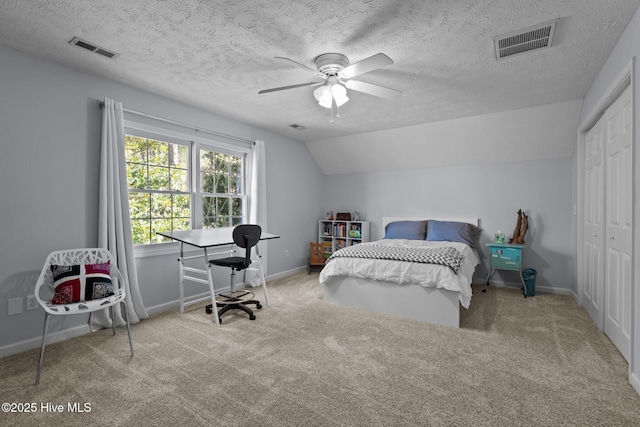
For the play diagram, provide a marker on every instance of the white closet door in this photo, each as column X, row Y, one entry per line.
column 594, row 239
column 618, row 219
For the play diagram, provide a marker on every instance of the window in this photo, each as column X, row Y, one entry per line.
column 159, row 190
column 172, row 189
column 221, row 189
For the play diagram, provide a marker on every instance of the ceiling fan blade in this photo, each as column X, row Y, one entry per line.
column 297, row 64
column 372, row 89
column 371, row 63
column 275, row 89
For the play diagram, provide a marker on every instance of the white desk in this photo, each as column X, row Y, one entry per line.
column 204, row 239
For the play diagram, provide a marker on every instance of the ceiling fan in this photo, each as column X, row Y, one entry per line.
column 336, row 76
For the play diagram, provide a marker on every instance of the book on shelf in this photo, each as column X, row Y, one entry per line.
column 326, row 229
column 328, row 249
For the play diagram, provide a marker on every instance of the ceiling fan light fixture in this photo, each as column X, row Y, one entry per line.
column 339, row 94
column 327, row 94
column 323, row 96
column 336, row 71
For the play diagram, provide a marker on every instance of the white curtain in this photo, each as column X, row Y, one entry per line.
column 257, row 207
column 114, row 223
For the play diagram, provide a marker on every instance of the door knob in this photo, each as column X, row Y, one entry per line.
column 611, row 237
column 595, row 235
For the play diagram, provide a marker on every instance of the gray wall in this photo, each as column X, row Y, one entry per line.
column 492, row 193
column 50, row 137
column 627, row 49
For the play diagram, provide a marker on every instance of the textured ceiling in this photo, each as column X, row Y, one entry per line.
column 217, row 55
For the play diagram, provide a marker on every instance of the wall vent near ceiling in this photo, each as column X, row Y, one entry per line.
column 531, row 38
column 93, row 48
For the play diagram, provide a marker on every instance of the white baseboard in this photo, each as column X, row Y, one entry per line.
column 635, row 382
column 540, row 289
column 286, row 273
column 53, row 337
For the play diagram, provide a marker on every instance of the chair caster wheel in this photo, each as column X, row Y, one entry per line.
column 258, row 306
column 252, row 317
column 208, row 310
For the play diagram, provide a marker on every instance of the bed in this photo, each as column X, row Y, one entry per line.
column 416, row 290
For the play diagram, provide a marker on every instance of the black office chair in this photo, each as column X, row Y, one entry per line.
column 245, row 236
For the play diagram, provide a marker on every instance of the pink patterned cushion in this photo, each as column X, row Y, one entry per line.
column 75, row 283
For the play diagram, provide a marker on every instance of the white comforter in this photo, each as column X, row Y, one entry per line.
column 427, row 275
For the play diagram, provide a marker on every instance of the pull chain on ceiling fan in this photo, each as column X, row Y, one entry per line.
column 336, row 75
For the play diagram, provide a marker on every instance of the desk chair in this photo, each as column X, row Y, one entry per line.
column 245, row 236
column 92, row 269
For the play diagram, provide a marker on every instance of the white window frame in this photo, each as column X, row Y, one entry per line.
column 196, row 183
column 195, row 142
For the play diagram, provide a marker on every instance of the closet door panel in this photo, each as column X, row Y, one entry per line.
column 593, row 225
column 618, row 220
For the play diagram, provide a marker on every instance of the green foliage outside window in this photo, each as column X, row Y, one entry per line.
column 221, row 184
column 160, row 195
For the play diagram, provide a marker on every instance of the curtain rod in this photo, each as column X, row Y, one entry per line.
column 186, row 125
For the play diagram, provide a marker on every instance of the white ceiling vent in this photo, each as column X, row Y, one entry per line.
column 93, row 48
column 531, row 38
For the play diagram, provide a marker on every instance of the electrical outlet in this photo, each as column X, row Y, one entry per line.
column 286, row 253
column 14, row 306
column 31, row 302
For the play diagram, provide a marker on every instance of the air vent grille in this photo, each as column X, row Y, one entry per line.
column 93, row 48
column 525, row 40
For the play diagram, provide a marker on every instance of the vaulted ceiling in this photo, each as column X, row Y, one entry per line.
column 217, row 55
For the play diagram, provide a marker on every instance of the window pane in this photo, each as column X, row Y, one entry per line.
column 222, row 184
column 181, row 224
column 179, row 180
column 181, row 206
column 135, row 149
column 236, row 210
column 235, row 178
column 208, row 206
column 161, row 206
column 137, row 176
column 222, row 163
column 160, row 225
column 236, row 207
column 158, row 178
column 140, row 231
column 139, row 205
column 207, row 182
column 158, row 152
column 207, row 161
column 179, row 156
column 222, row 206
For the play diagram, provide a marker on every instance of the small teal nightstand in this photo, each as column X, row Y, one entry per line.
column 505, row 256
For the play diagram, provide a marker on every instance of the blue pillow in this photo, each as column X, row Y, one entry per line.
column 453, row 231
column 411, row 230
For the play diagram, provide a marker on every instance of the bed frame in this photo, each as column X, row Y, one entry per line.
column 432, row 305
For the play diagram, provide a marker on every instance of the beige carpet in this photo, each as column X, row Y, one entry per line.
column 304, row 362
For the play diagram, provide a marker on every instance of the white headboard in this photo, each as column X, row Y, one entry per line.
column 387, row 219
